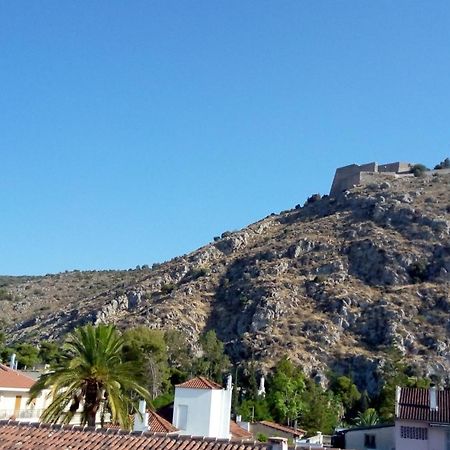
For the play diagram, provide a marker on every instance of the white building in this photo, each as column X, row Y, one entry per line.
column 422, row 419
column 376, row 437
column 14, row 396
column 203, row 408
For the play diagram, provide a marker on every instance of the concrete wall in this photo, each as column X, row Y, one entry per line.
column 384, row 438
column 437, row 437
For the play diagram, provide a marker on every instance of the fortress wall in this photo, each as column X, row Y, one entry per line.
column 396, row 167
column 349, row 176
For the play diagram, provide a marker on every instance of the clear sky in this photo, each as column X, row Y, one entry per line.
column 135, row 131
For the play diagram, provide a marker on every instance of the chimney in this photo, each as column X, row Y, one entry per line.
column 141, row 418
column 229, row 383
column 278, row 443
column 398, row 390
column 12, row 361
column 262, row 389
column 433, row 398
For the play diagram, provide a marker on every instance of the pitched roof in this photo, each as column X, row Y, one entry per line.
column 414, row 404
column 158, row 424
column 10, row 378
column 284, row 428
column 238, row 432
column 200, row 383
column 39, row 436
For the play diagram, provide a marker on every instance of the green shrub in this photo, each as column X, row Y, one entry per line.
column 261, row 437
column 445, row 164
column 418, row 170
column 167, row 288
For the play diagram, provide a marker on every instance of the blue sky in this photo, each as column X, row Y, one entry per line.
column 135, row 131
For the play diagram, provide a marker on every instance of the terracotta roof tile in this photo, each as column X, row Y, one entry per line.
column 160, row 425
column 200, row 383
column 10, row 378
column 238, row 432
column 15, row 435
column 414, row 404
column 286, row 429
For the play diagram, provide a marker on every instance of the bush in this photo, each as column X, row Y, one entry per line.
column 418, row 170
column 443, row 164
column 261, row 437
column 167, row 288
column 418, row 271
column 314, row 198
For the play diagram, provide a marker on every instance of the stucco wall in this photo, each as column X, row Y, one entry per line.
column 437, row 437
column 384, row 438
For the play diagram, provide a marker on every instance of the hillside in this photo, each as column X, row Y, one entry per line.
column 335, row 283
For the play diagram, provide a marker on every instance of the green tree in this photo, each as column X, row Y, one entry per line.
column 321, row 411
column 285, row 393
column 27, row 355
column 49, row 352
column 346, row 392
column 91, row 374
column 146, row 348
column 214, row 361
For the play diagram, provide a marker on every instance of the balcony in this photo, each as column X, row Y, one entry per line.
column 21, row 414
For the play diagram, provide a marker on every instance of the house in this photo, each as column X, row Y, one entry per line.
column 422, row 419
column 377, row 437
column 203, row 408
column 14, row 396
column 42, row 436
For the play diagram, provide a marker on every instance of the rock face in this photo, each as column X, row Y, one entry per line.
column 335, row 283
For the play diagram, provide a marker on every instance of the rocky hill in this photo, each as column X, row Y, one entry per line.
column 335, row 283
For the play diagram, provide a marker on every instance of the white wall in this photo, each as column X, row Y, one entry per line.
column 26, row 412
column 208, row 411
column 437, row 437
column 384, row 438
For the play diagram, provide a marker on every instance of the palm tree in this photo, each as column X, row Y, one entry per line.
column 367, row 418
column 91, row 374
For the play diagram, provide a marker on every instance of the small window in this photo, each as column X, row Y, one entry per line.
column 369, row 441
column 418, row 433
column 182, row 413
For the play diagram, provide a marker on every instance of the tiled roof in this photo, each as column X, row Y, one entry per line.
column 38, row 436
column 158, row 424
column 284, row 428
column 414, row 404
column 200, row 383
column 10, row 378
column 238, row 432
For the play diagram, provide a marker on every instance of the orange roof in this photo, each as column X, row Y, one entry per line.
column 39, row 436
column 158, row 424
column 200, row 383
column 238, row 432
column 11, row 379
column 286, row 429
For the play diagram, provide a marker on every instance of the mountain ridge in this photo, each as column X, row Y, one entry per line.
column 334, row 284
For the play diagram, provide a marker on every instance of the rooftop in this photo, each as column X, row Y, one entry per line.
column 284, row 428
column 39, row 436
column 414, row 404
column 199, row 383
column 11, row 379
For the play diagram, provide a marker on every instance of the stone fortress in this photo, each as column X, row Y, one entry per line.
column 353, row 175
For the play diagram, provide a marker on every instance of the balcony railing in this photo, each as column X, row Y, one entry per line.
column 20, row 414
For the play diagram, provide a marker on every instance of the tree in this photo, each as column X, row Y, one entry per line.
column 346, row 392
column 214, row 361
column 91, row 374
column 146, row 348
column 445, row 164
column 367, row 418
column 286, row 387
column 418, row 170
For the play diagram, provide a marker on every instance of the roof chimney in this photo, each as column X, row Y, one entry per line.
column 141, row 418
column 433, row 398
column 398, row 391
column 278, row 443
column 229, row 382
column 12, row 361
column 261, row 389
